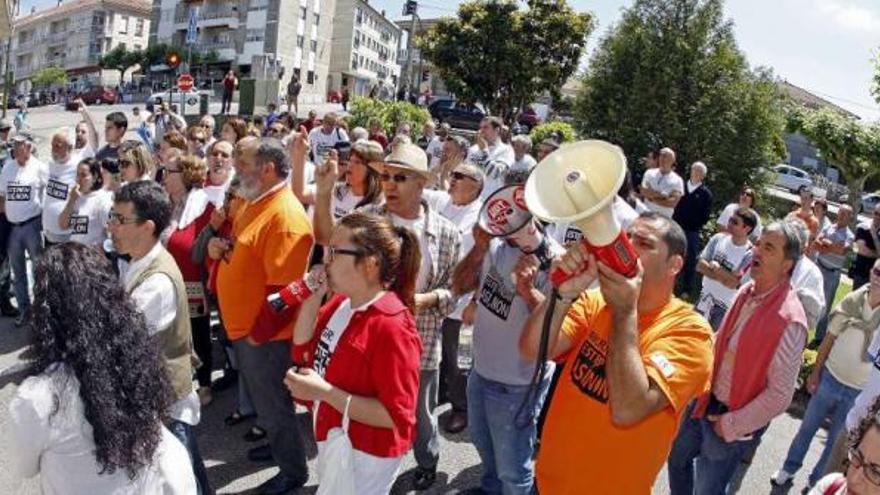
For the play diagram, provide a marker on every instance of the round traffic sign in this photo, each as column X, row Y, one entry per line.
column 185, row 82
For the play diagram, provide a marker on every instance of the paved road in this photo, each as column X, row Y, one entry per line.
column 225, row 451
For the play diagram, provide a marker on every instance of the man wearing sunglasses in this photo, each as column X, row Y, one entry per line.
column 723, row 263
column 757, row 358
column 404, row 176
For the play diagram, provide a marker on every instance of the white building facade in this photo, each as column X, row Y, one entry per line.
column 74, row 35
column 365, row 49
column 256, row 38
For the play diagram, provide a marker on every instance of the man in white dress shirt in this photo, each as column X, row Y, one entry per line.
column 141, row 210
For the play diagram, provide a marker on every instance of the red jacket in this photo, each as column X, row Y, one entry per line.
column 377, row 356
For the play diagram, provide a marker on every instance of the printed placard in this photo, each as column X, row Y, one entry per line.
column 79, row 224
column 495, row 296
column 15, row 192
column 57, row 189
column 588, row 371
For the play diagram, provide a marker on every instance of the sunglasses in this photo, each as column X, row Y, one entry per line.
column 397, row 178
column 332, row 252
column 460, row 176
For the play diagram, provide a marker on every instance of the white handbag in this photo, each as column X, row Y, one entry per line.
column 336, row 460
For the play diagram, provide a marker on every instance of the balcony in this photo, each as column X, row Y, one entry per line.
column 208, row 19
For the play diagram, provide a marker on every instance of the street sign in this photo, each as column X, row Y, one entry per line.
column 185, row 82
column 192, row 32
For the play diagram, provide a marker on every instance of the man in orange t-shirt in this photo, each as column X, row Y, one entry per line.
column 272, row 239
column 634, row 358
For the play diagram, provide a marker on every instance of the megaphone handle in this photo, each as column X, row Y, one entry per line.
column 619, row 255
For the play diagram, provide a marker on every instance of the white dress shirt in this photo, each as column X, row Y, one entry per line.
column 156, row 298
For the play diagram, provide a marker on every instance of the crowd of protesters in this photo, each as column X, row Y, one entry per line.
column 340, row 267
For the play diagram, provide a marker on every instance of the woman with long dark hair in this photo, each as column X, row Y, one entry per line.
column 89, row 418
column 360, row 351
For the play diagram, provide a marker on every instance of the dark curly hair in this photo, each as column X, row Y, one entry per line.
column 870, row 420
column 83, row 318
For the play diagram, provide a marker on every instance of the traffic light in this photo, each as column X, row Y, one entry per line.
column 409, row 8
column 172, row 59
column 426, row 76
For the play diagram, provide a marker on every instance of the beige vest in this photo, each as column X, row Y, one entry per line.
column 176, row 340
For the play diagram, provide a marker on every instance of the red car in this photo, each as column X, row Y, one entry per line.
column 98, row 95
column 529, row 118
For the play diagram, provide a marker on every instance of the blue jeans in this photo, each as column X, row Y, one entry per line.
column 23, row 238
column 689, row 273
column 830, row 281
column 832, row 399
column 716, row 460
column 504, row 439
column 187, row 437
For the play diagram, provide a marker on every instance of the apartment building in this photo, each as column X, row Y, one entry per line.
column 365, row 49
column 74, row 35
column 256, row 38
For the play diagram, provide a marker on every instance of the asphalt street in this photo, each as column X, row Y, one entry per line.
column 224, row 450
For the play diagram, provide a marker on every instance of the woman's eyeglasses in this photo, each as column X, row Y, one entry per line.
column 332, row 252
column 870, row 470
column 397, row 178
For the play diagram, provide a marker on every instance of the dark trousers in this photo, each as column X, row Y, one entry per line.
column 187, row 436
column 689, row 272
column 226, row 104
column 5, row 270
column 263, row 368
column 453, row 380
column 201, row 335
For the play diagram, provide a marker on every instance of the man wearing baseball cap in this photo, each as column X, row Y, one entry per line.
column 22, row 183
column 404, row 175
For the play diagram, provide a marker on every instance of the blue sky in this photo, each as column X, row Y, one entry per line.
column 824, row 46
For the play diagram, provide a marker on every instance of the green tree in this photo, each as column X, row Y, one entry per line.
column 49, row 76
column 875, row 85
column 670, row 74
column 848, row 145
column 501, row 56
column 389, row 114
column 121, row 59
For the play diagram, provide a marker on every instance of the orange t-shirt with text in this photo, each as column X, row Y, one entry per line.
column 581, row 450
column 271, row 242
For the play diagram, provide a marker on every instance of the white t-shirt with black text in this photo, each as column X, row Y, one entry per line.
column 88, row 222
column 733, row 258
column 62, row 178
column 22, row 187
column 322, row 143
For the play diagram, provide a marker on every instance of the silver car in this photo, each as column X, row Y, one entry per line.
column 791, row 178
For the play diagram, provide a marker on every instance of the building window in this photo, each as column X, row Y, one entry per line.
column 139, row 28
column 137, row 47
column 302, row 13
column 255, row 34
column 122, row 46
column 317, row 19
column 354, row 62
column 310, row 77
column 299, row 41
column 314, row 45
column 124, row 22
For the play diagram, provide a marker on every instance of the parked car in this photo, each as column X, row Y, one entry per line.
column 175, row 96
column 791, row 178
column 457, row 114
column 98, row 94
column 529, row 118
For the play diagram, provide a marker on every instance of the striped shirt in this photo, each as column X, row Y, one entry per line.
column 781, row 377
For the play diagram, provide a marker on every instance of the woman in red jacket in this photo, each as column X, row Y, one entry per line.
column 183, row 179
column 362, row 346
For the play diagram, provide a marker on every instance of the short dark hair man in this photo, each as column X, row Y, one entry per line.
column 141, row 211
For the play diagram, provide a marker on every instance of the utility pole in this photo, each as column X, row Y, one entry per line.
column 409, row 8
column 6, row 79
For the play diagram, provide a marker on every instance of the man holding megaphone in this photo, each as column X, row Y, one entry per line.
column 634, row 358
column 508, row 278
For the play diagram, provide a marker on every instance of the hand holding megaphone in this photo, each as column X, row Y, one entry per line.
column 578, row 269
column 577, row 184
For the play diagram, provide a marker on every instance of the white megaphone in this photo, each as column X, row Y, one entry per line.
column 577, row 184
column 505, row 214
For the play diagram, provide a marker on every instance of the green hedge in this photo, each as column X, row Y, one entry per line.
column 543, row 131
column 389, row 114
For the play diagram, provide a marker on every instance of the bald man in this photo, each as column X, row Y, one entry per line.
column 662, row 188
column 692, row 213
